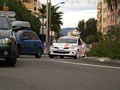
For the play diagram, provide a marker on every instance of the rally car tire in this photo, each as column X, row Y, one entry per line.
column 51, row 56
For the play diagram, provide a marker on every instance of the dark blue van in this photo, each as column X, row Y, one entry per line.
column 28, row 43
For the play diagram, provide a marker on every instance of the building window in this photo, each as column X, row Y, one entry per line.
column 104, row 20
column 35, row 8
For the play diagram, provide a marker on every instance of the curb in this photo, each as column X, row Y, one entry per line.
column 103, row 59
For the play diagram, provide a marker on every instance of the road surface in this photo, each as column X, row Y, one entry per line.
column 59, row 74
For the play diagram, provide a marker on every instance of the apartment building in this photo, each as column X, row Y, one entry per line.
column 112, row 18
column 32, row 5
column 118, row 20
column 102, row 23
column 106, row 18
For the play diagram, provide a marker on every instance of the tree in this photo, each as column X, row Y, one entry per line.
column 91, row 26
column 42, row 11
column 81, row 28
column 55, row 19
column 28, row 1
column 88, row 30
column 81, row 25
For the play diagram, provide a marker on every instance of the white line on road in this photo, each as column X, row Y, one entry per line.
column 89, row 65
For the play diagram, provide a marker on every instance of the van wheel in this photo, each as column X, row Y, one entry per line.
column 39, row 53
column 18, row 51
column 11, row 61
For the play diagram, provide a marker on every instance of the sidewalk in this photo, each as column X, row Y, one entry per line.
column 102, row 59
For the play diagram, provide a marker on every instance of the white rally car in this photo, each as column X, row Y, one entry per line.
column 68, row 46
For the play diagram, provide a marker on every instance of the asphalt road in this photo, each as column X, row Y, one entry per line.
column 59, row 74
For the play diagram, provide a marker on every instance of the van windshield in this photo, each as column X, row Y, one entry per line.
column 4, row 23
column 67, row 40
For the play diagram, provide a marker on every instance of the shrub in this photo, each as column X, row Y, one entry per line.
column 110, row 47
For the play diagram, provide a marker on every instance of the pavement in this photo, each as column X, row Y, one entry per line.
column 99, row 59
column 103, row 59
column 46, row 73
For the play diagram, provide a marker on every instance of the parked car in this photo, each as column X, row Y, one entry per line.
column 68, row 46
column 7, row 41
column 28, row 43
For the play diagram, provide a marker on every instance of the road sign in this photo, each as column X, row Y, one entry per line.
column 7, row 13
column 5, row 8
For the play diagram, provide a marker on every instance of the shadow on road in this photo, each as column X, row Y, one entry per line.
column 3, row 64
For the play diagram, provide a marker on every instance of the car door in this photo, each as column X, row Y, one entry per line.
column 26, row 43
column 35, row 42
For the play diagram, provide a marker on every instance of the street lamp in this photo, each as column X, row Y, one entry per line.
column 59, row 3
column 49, row 16
column 42, row 20
column 47, row 21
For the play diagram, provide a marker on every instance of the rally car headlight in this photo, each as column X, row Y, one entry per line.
column 5, row 40
column 51, row 47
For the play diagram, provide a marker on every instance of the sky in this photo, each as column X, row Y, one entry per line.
column 75, row 10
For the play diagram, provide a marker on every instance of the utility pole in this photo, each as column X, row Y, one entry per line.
column 47, row 24
column 50, row 31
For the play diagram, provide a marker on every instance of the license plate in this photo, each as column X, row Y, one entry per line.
column 60, row 50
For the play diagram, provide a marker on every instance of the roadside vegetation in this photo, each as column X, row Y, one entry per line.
column 88, row 31
column 109, row 46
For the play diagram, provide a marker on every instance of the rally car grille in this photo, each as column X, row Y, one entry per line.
column 61, row 52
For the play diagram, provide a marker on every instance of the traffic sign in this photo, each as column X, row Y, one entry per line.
column 7, row 13
column 5, row 8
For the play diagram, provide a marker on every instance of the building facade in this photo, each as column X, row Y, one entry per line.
column 118, row 20
column 99, row 16
column 102, row 21
column 106, row 18
column 32, row 5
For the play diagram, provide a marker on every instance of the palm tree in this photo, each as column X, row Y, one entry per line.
column 28, row 1
column 42, row 11
column 55, row 19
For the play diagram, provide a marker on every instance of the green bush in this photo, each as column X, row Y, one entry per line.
column 110, row 47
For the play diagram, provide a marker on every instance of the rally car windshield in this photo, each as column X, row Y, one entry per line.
column 67, row 40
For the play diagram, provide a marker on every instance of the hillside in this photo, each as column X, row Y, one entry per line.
column 64, row 31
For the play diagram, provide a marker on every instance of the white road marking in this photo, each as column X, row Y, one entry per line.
column 89, row 65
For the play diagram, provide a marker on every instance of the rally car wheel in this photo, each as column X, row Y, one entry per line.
column 51, row 56
column 77, row 55
column 18, row 51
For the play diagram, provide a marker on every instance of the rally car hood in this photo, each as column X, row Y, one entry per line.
column 63, row 45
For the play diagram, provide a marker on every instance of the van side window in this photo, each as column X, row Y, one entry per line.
column 79, row 42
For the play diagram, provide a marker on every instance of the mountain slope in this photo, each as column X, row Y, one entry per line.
column 64, row 31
